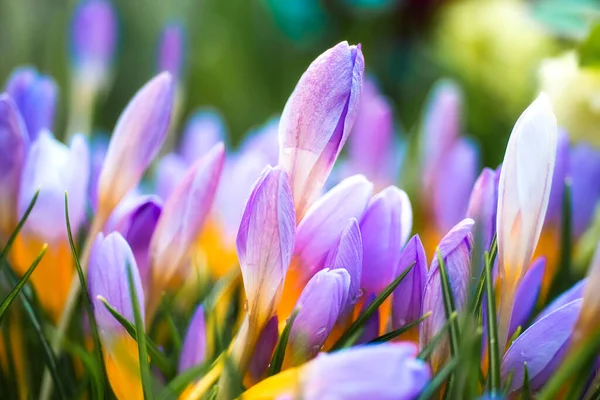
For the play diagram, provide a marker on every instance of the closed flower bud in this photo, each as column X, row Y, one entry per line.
column 171, row 50
column 193, row 351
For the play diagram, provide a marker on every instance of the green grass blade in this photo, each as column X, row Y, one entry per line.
column 20, row 224
column 279, row 353
column 183, row 380
column 91, row 367
column 393, row 334
column 87, row 301
column 479, row 295
column 141, row 337
column 492, row 334
column 175, row 336
column 508, row 383
column 364, row 317
column 425, row 353
column 526, row 391
column 15, row 291
column 449, row 305
column 156, row 355
column 438, row 380
column 563, row 279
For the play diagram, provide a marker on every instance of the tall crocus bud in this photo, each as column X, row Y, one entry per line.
column 585, row 189
column 108, row 279
column 388, row 371
column 193, row 351
column 527, row 295
column 182, row 220
column 441, row 127
column 136, row 220
column 138, row 135
column 523, row 193
column 587, row 324
column 93, row 39
column 372, row 149
column 170, row 50
column 263, row 352
column 408, row 296
column 483, row 205
column 455, row 249
column 348, row 255
column 542, row 346
column 385, row 228
column 317, row 119
column 202, row 131
column 35, row 95
column 265, row 243
column 53, row 168
column 14, row 143
column 318, row 308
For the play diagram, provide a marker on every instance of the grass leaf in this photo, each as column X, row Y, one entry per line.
column 492, row 334
column 141, row 337
column 425, row 353
column 15, row 291
column 393, row 334
column 279, row 353
column 438, row 380
column 19, row 226
column 364, row 317
column 526, row 391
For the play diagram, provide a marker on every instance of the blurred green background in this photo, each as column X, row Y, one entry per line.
column 245, row 56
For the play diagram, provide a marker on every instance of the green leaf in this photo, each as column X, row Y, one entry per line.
column 141, row 337
column 175, row 336
column 91, row 366
column 425, row 353
column 20, row 224
column 562, row 278
column 364, row 317
column 279, row 353
column 492, row 335
column 183, row 380
column 589, row 49
column 575, row 364
column 156, row 355
column 508, row 383
column 526, row 391
column 393, row 334
column 437, row 381
column 87, row 301
column 15, row 291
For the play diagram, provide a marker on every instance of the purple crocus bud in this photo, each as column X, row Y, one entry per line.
column 455, row 249
column 193, row 351
column 203, row 130
column 407, row 303
column 170, row 170
column 574, row 293
column 561, row 170
column 54, row 168
column 263, row 140
column 108, row 279
column 171, row 50
column 373, row 137
column 182, row 219
column 265, row 243
column 317, row 119
column 98, row 147
column 585, row 176
column 385, row 228
column 385, row 372
column 35, row 96
column 453, row 183
column 323, row 223
column 441, row 128
column 483, row 205
column 138, row 135
column 348, row 255
column 527, row 294
column 263, row 351
column 136, row 220
column 542, row 346
column 14, row 143
column 319, row 307
column 93, row 38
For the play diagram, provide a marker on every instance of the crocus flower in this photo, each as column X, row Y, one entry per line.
column 387, row 371
column 263, row 352
column 408, row 297
column 193, row 351
column 53, row 168
column 587, row 323
column 542, row 346
column 372, row 148
column 584, row 171
column 108, row 279
column 320, row 230
column 385, row 228
column 319, row 307
column 170, row 50
column 482, row 208
column 35, row 95
column 527, row 294
column 204, row 129
column 137, row 137
column 182, row 220
column 455, row 249
column 523, row 194
column 317, row 119
column 14, row 144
